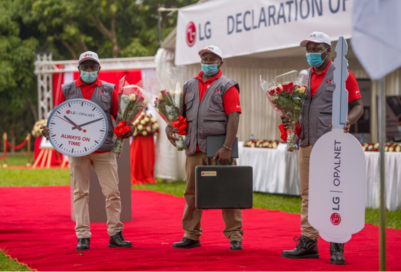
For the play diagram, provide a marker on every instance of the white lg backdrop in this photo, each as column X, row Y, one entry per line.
column 241, row 27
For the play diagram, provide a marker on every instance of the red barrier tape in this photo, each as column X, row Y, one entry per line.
column 18, row 146
column 4, row 156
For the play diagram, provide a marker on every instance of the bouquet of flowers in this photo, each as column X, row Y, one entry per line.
column 393, row 147
column 146, row 125
column 374, row 147
column 170, row 104
column 36, row 131
column 132, row 100
column 261, row 144
column 286, row 94
column 170, row 107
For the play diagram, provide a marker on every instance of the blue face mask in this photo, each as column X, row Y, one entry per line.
column 399, row 129
column 88, row 76
column 210, row 69
column 315, row 59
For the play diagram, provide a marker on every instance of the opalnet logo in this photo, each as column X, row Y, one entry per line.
column 191, row 34
column 335, row 219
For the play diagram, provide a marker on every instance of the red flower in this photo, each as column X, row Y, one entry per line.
column 271, row 92
column 278, row 90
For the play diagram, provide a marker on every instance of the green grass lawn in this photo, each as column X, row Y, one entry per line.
column 46, row 177
column 7, row 264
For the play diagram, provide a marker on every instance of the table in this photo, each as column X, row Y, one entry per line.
column 142, row 151
column 276, row 171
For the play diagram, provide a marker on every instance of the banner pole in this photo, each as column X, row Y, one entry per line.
column 5, row 148
column 382, row 145
column 29, row 150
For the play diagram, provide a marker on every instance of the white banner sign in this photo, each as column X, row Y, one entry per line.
column 243, row 27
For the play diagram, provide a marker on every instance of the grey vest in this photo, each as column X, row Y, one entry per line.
column 103, row 100
column 205, row 118
column 315, row 117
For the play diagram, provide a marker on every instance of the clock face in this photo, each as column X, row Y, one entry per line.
column 78, row 127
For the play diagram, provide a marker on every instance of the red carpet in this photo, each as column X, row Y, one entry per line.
column 36, row 229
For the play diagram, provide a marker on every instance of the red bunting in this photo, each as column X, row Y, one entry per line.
column 181, row 124
column 121, row 128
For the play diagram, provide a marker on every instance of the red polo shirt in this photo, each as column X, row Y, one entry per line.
column 87, row 92
column 350, row 84
column 231, row 100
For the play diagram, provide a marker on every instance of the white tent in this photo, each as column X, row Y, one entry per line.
column 268, row 50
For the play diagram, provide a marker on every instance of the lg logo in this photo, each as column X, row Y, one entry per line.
column 68, row 111
column 191, row 34
column 335, row 219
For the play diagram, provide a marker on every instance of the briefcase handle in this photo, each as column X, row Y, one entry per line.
column 231, row 161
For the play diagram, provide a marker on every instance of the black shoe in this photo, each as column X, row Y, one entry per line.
column 236, row 245
column 306, row 249
column 83, row 244
column 187, row 243
column 118, row 240
column 337, row 253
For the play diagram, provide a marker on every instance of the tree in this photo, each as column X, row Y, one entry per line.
column 18, row 93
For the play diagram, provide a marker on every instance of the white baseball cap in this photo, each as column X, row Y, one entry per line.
column 316, row 37
column 211, row 49
column 88, row 55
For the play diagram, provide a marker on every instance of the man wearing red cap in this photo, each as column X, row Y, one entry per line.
column 314, row 121
column 212, row 107
column 89, row 86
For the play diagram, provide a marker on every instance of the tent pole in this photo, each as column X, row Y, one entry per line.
column 382, row 145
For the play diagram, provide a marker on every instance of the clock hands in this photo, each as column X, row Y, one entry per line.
column 88, row 123
column 70, row 122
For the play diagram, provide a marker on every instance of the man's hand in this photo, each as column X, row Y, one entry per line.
column 45, row 132
column 346, row 126
column 285, row 121
column 224, row 155
column 170, row 135
column 129, row 133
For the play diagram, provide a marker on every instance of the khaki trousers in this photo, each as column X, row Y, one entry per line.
column 105, row 166
column 191, row 221
column 303, row 160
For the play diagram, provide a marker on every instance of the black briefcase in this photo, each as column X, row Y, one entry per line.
column 223, row 187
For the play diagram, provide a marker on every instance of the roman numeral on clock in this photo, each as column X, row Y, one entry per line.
column 53, row 135
column 60, row 145
column 85, row 149
column 102, row 130
column 82, row 104
column 69, row 105
column 94, row 108
column 72, row 151
column 96, row 142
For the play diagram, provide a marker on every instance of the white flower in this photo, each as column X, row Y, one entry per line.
column 152, row 120
column 280, row 86
column 156, row 125
column 398, row 149
column 376, row 146
column 140, row 127
column 148, row 128
column 302, row 90
column 142, row 114
column 143, row 122
column 146, row 119
column 132, row 97
column 172, row 93
column 144, row 133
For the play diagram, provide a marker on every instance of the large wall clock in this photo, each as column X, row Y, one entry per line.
column 78, row 127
